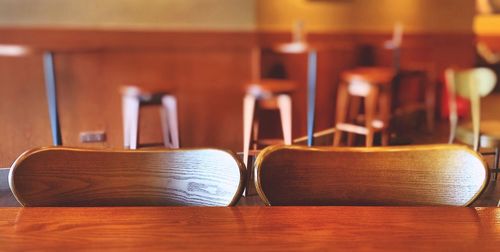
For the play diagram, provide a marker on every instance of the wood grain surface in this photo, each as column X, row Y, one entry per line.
column 57, row 176
column 251, row 229
column 410, row 175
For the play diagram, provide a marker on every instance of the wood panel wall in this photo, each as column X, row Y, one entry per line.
column 206, row 70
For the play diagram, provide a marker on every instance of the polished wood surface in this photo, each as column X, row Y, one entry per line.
column 410, row 175
column 251, row 229
column 56, row 176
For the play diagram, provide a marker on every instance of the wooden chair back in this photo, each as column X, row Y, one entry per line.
column 56, row 176
column 432, row 175
column 471, row 84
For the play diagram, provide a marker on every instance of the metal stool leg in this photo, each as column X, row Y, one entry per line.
column 248, row 110
column 167, row 142
column 126, row 124
column 285, row 107
column 133, row 120
column 170, row 106
column 497, row 156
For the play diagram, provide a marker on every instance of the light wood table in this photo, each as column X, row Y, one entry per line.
column 250, row 228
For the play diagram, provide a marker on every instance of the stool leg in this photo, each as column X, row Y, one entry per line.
column 248, row 110
column 384, row 111
column 170, row 104
column 370, row 109
column 430, row 104
column 133, row 120
column 341, row 111
column 164, row 128
column 126, row 124
column 497, row 157
column 353, row 114
column 255, row 132
column 285, row 107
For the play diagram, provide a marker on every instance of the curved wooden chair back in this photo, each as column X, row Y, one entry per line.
column 471, row 84
column 56, row 176
column 432, row 175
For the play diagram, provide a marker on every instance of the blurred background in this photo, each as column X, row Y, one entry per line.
column 201, row 50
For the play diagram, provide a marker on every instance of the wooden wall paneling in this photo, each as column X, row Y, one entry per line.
column 78, row 39
column 23, row 107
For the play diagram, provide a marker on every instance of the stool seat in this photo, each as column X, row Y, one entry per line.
column 374, row 75
column 133, row 98
column 146, row 97
column 269, row 87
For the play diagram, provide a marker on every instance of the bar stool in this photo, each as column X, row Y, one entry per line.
column 267, row 94
column 132, row 100
column 373, row 84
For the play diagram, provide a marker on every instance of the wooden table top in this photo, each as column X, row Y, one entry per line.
column 250, row 228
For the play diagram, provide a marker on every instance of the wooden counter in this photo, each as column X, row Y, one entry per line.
column 250, row 228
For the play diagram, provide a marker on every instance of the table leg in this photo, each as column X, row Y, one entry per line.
column 311, row 94
column 50, row 84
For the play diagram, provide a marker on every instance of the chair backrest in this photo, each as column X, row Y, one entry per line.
column 471, row 84
column 56, row 176
column 398, row 176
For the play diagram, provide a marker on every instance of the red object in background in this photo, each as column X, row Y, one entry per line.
column 463, row 104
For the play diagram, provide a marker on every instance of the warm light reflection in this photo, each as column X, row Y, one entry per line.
column 294, row 47
column 13, row 50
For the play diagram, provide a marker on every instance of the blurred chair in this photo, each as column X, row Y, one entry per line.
column 473, row 84
column 424, row 75
column 266, row 94
column 373, row 84
column 57, row 176
column 132, row 100
column 434, row 175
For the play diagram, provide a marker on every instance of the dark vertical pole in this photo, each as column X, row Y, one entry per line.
column 396, row 58
column 311, row 94
column 50, row 84
column 497, row 157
